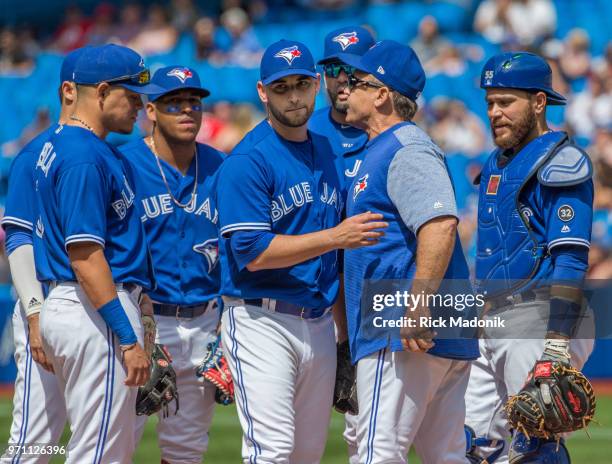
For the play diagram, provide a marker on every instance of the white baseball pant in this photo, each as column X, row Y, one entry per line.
column 39, row 413
column 183, row 437
column 411, row 398
column 284, row 371
column 87, row 361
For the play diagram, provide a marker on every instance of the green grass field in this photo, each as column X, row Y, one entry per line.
column 225, row 438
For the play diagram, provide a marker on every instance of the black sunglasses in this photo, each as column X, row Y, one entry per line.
column 333, row 69
column 354, row 81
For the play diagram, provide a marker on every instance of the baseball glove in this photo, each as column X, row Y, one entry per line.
column 556, row 399
column 345, row 391
column 160, row 390
column 214, row 368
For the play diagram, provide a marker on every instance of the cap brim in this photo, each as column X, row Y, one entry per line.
column 355, row 61
column 146, row 89
column 288, row 72
column 554, row 98
column 201, row 90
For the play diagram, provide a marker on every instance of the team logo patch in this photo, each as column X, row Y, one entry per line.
column 346, row 39
column 360, row 185
column 182, row 74
column 289, row 54
column 493, row 184
column 210, row 250
column 565, row 213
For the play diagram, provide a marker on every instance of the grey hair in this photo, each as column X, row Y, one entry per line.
column 404, row 106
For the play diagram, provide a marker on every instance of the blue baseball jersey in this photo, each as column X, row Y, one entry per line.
column 288, row 188
column 183, row 241
column 347, row 142
column 84, row 195
column 404, row 177
column 20, row 209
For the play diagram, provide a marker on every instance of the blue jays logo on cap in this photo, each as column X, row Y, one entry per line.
column 181, row 74
column 289, row 54
column 346, row 39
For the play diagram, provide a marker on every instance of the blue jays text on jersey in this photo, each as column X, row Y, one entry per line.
column 183, row 241
column 288, row 188
column 542, row 198
column 84, row 195
column 393, row 259
column 348, row 143
column 21, row 209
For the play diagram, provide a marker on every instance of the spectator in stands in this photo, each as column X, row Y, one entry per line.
column 591, row 108
column 205, row 43
column 13, row 56
column 157, row 35
column 41, row 121
column 457, row 130
column 428, row 43
column 575, row 60
column 72, row 33
column 130, row 23
column 518, row 22
column 244, row 48
column 103, row 26
column 449, row 61
column 184, row 14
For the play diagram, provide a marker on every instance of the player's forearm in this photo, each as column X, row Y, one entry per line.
column 23, row 271
column 289, row 250
column 435, row 245
column 92, row 272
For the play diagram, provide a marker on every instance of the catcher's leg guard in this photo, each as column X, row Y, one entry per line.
column 534, row 450
column 473, row 442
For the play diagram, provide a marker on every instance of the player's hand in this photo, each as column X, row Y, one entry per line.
column 417, row 339
column 36, row 343
column 359, row 230
column 138, row 366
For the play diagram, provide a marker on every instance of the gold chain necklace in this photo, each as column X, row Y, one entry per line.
column 189, row 204
column 80, row 121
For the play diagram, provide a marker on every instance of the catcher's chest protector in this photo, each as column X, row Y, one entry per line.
column 506, row 247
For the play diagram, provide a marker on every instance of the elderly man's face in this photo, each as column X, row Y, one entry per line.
column 361, row 92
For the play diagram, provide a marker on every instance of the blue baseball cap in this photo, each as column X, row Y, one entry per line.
column 113, row 64
column 355, row 40
column 523, row 71
column 173, row 78
column 69, row 63
column 286, row 58
column 393, row 64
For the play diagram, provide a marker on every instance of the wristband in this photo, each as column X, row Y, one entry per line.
column 115, row 317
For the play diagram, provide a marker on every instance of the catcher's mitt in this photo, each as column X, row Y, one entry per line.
column 345, row 391
column 214, row 368
column 556, row 399
column 160, row 390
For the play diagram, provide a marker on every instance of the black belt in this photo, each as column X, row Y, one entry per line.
column 178, row 311
column 285, row 307
column 523, row 297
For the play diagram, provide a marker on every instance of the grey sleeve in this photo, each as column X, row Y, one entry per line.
column 419, row 186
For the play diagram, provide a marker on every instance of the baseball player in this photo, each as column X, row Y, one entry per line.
column 172, row 181
column 279, row 204
column 97, row 258
column 534, row 228
column 348, row 144
column 410, row 386
column 39, row 414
